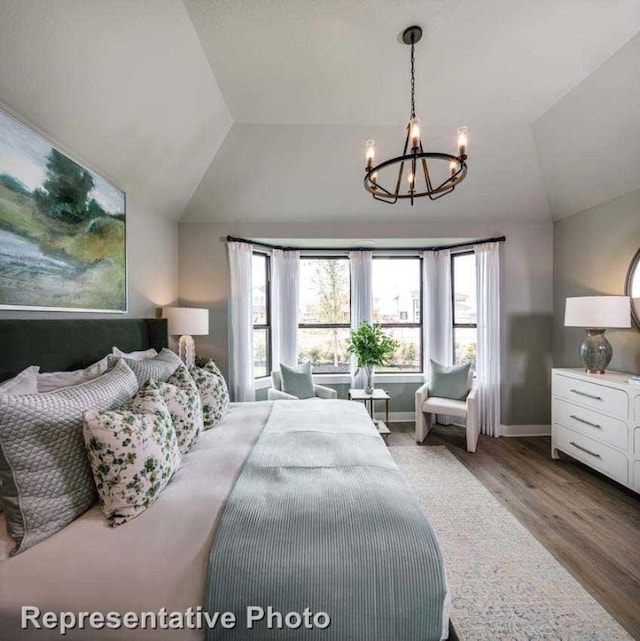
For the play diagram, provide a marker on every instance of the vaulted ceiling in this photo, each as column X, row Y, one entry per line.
column 258, row 111
column 308, row 82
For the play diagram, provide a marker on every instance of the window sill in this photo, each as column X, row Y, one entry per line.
column 345, row 379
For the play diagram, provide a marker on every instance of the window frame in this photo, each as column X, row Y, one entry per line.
column 328, row 325
column 267, row 305
column 455, row 325
column 419, row 325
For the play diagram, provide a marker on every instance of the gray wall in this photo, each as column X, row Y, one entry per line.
column 527, row 298
column 592, row 251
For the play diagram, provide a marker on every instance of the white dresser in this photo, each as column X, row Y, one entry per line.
column 596, row 419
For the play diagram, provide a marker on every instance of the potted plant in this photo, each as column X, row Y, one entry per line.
column 372, row 347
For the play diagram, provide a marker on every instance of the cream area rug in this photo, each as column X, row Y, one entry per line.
column 504, row 583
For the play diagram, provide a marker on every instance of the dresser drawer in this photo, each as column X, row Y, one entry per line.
column 605, row 459
column 636, row 441
column 636, row 413
column 600, row 397
column 609, row 430
column 636, row 476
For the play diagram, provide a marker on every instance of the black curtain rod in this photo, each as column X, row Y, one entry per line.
column 481, row 241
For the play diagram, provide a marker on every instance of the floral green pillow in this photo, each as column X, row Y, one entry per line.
column 181, row 396
column 133, row 453
column 213, row 391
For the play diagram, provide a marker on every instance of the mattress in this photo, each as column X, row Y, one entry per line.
column 157, row 561
column 167, row 547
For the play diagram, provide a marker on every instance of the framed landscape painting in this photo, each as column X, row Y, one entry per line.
column 62, row 229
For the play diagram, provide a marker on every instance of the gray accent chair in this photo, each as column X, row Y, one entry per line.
column 427, row 407
column 275, row 393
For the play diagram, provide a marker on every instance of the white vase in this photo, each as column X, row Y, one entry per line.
column 369, row 371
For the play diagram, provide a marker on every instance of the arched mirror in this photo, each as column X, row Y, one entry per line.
column 633, row 287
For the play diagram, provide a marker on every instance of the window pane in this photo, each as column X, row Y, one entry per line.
column 325, row 296
column 259, row 289
column 407, row 356
column 465, row 341
column 325, row 348
column 396, row 290
column 260, row 354
column 464, row 282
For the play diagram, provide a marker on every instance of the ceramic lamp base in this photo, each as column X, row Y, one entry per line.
column 187, row 350
column 595, row 351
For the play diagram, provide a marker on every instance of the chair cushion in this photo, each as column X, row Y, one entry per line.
column 297, row 381
column 447, row 406
column 448, row 381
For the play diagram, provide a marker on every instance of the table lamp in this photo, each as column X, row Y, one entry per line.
column 596, row 314
column 187, row 322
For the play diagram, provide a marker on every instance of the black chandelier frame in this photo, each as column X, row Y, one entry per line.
column 417, row 158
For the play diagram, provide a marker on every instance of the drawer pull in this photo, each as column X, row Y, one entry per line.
column 592, row 396
column 584, row 449
column 581, row 420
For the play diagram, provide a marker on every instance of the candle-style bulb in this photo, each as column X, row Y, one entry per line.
column 453, row 167
column 370, row 153
column 410, row 179
column 463, row 141
column 414, row 132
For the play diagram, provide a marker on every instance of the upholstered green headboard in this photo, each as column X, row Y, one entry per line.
column 58, row 345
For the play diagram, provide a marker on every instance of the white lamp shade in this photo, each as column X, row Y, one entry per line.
column 598, row 311
column 187, row 320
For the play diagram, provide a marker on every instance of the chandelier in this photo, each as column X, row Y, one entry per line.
column 426, row 173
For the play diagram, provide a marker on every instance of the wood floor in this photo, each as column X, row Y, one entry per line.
column 589, row 523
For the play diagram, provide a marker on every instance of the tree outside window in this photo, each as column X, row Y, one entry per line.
column 324, row 315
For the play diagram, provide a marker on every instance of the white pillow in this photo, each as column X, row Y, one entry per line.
column 49, row 381
column 142, row 355
column 26, row 382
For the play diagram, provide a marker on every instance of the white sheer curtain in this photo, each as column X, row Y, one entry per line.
column 437, row 326
column 488, row 353
column 361, row 263
column 241, row 322
column 438, row 315
column 285, row 277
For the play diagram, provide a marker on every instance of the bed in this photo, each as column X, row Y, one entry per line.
column 270, row 472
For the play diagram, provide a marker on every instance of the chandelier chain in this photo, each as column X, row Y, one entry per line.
column 413, row 83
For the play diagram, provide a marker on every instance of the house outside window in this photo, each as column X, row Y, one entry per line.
column 465, row 318
column 261, row 313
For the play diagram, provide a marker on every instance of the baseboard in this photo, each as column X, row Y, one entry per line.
column 397, row 417
column 524, row 430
